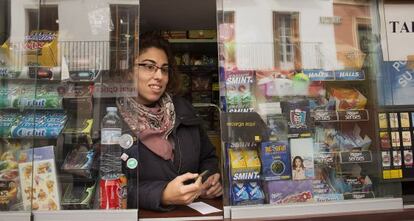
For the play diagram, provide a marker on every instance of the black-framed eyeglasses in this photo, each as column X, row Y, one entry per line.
column 152, row 68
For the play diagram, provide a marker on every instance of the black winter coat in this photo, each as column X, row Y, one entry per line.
column 193, row 152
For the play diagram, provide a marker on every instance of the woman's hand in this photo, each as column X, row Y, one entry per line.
column 212, row 187
column 176, row 193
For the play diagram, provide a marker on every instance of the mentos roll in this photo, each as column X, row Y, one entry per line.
column 240, row 193
column 255, row 191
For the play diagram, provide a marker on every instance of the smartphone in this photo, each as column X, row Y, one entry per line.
column 202, row 175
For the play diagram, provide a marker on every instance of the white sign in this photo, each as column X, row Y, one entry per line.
column 397, row 31
column 336, row 20
column 116, row 90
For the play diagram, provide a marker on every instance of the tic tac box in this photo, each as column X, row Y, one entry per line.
column 275, row 156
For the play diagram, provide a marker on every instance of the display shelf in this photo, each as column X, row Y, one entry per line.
column 69, row 177
column 184, row 218
column 364, row 156
column 186, row 41
column 340, row 116
column 29, row 109
column 328, row 158
column 359, row 195
column 90, row 215
column 78, row 97
column 79, row 81
column 339, row 75
column 16, row 216
column 90, row 80
column 30, row 138
column 31, row 80
column 212, row 67
column 314, row 209
column 325, row 158
column 187, row 213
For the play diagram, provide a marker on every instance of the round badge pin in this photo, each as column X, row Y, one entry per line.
column 132, row 163
column 126, row 141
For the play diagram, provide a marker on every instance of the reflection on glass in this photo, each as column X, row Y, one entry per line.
column 61, row 64
column 16, row 110
column 308, row 65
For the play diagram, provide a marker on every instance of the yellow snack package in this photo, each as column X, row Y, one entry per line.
column 237, row 161
column 252, row 160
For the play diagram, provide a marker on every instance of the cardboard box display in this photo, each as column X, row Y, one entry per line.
column 275, row 157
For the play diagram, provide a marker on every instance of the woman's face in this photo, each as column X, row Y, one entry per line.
column 298, row 163
column 151, row 75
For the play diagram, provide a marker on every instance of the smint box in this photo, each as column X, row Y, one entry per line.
column 239, row 193
column 275, row 158
column 247, row 193
column 289, row 191
column 244, row 166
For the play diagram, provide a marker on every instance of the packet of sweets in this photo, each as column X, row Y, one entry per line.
column 237, row 161
column 255, row 191
column 252, row 160
column 240, row 193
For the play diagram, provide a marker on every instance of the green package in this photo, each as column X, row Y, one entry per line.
column 46, row 97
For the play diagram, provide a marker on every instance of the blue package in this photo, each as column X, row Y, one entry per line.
column 240, row 193
column 26, row 129
column 275, row 157
column 255, row 191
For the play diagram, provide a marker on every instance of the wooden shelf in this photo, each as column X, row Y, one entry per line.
column 192, row 40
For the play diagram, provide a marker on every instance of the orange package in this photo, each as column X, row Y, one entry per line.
column 348, row 99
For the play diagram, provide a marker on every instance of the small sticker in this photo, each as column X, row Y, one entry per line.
column 132, row 163
column 124, row 157
column 126, row 141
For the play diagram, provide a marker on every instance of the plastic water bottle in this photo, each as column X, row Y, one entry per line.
column 111, row 129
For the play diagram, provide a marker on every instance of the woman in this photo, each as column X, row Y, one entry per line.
column 172, row 147
column 298, row 169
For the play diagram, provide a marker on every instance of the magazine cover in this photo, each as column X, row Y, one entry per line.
column 277, row 127
column 298, row 115
column 301, row 151
column 38, row 165
column 239, row 91
column 275, row 158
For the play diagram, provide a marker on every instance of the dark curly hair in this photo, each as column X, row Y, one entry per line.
column 294, row 160
column 155, row 40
